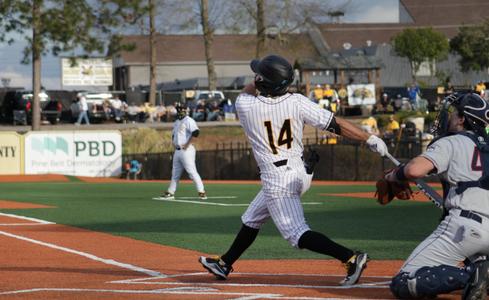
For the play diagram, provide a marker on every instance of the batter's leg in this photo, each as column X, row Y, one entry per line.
column 176, row 172
column 189, row 165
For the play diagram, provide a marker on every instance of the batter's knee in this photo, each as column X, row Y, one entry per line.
column 428, row 282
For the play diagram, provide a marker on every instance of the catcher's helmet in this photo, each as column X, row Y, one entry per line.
column 274, row 74
column 471, row 106
column 181, row 111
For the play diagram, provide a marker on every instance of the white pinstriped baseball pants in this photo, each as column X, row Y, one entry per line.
column 279, row 199
column 185, row 160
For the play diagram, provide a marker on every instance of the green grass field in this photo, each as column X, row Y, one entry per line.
column 127, row 209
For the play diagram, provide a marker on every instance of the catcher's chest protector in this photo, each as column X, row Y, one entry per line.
column 482, row 155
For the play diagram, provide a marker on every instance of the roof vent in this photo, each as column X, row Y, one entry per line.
column 347, row 46
column 369, row 43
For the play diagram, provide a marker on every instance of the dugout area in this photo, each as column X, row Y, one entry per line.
column 68, row 238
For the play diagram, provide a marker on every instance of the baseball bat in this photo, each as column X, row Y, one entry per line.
column 422, row 186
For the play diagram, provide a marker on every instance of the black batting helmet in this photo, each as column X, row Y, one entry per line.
column 181, row 111
column 274, row 74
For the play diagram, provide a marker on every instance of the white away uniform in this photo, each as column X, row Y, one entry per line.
column 184, row 158
column 274, row 127
column 465, row 231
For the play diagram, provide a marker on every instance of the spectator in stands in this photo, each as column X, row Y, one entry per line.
column 398, row 103
column 171, row 112
column 414, row 94
column 317, row 93
column 133, row 112
column 449, row 89
column 329, row 93
column 370, row 125
column 392, row 128
column 228, row 109
column 107, row 107
column 213, row 111
column 150, row 112
column 343, row 99
column 480, row 88
column 384, row 102
column 161, row 113
column 118, row 108
column 135, row 168
column 199, row 111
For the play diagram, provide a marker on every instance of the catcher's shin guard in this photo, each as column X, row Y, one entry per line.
column 428, row 282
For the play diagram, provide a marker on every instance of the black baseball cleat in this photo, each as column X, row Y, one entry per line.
column 216, row 266
column 167, row 196
column 354, row 268
column 476, row 288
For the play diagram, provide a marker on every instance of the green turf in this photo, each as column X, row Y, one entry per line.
column 127, row 209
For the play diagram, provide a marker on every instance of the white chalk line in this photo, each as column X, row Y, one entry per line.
column 39, row 221
column 218, row 203
column 174, row 291
column 86, row 255
column 153, row 281
column 178, row 291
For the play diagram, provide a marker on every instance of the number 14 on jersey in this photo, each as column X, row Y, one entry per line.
column 284, row 137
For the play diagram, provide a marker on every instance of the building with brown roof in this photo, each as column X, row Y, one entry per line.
column 325, row 47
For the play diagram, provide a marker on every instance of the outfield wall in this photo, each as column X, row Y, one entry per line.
column 78, row 153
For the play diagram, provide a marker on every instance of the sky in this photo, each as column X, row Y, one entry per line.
column 20, row 75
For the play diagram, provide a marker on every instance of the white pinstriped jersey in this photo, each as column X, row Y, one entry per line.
column 274, row 126
column 182, row 130
column 456, row 158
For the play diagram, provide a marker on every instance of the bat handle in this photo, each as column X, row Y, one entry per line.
column 392, row 158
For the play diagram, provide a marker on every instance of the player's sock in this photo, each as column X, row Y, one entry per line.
column 245, row 237
column 320, row 243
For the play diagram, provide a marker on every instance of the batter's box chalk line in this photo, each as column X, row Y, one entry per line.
column 155, row 281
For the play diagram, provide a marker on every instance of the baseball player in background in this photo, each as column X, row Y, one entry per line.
column 273, row 121
column 453, row 256
column 185, row 130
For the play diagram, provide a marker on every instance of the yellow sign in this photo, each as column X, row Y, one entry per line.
column 11, row 153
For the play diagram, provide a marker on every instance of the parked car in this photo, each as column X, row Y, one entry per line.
column 206, row 96
column 17, row 107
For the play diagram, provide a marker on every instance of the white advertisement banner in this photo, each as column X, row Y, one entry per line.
column 10, row 153
column 86, row 72
column 361, row 94
column 77, row 153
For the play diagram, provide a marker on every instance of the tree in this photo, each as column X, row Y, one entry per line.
column 152, row 50
column 59, row 26
column 260, row 28
column 420, row 45
column 208, row 33
column 472, row 44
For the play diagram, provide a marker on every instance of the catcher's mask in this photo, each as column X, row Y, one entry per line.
column 181, row 111
column 471, row 106
column 273, row 75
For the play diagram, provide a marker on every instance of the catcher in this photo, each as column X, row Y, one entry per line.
column 453, row 257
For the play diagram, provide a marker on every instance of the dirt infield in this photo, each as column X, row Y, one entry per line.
column 42, row 260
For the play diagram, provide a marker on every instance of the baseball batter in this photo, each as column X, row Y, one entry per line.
column 184, row 131
column 273, row 121
column 450, row 258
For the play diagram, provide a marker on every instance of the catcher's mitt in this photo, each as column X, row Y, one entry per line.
column 388, row 190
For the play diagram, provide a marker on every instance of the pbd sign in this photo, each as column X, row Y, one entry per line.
column 95, row 148
column 82, row 153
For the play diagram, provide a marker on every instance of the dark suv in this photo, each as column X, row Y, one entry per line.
column 17, row 107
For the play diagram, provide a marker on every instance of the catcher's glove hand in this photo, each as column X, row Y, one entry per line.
column 388, row 190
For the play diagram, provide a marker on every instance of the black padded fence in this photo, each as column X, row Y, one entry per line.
column 344, row 161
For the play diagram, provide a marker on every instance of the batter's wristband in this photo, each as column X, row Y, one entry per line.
column 400, row 176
